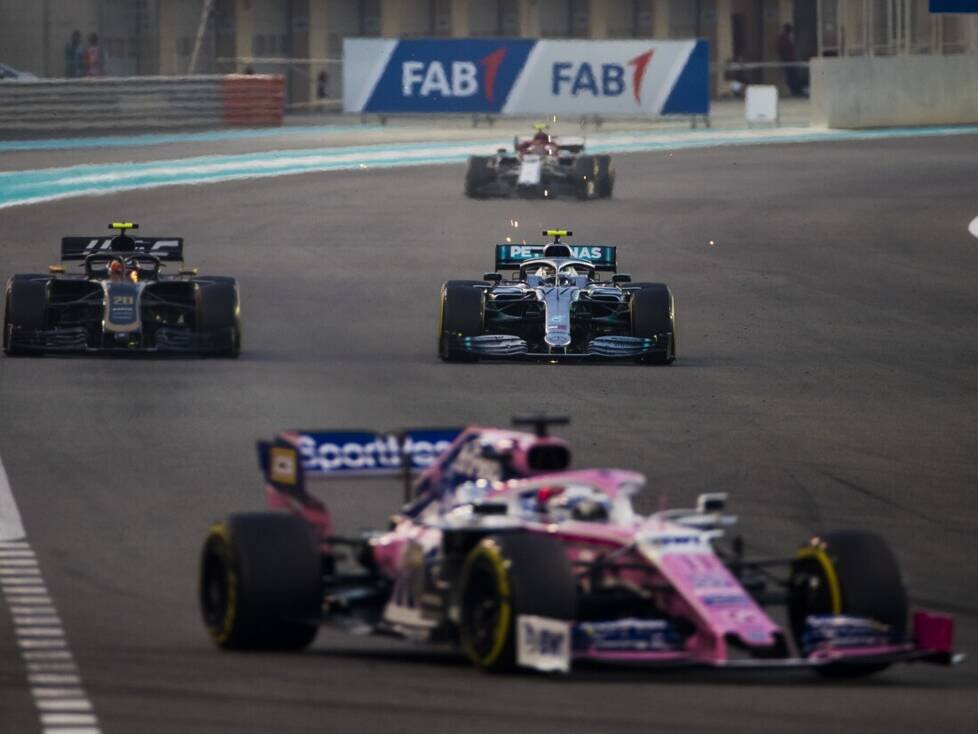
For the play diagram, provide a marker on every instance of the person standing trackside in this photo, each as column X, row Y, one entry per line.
column 73, row 53
column 92, row 57
column 788, row 53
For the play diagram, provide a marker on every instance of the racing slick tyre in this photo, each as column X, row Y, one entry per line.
column 506, row 576
column 606, row 176
column 653, row 312
column 849, row 572
column 585, row 177
column 478, row 176
column 219, row 314
column 24, row 307
column 261, row 582
column 462, row 311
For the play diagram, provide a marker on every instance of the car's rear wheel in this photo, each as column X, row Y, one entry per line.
column 478, row 176
column 606, row 176
column 585, row 177
column 653, row 316
column 261, row 582
column 506, row 576
column 25, row 308
column 853, row 573
column 461, row 315
column 219, row 314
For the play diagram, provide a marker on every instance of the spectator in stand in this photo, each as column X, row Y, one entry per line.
column 788, row 53
column 73, row 53
column 322, row 85
column 92, row 61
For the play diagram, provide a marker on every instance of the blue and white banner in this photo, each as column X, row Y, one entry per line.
column 526, row 77
column 331, row 453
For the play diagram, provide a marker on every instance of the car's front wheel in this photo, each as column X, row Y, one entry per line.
column 461, row 315
column 261, row 582
column 852, row 573
column 506, row 576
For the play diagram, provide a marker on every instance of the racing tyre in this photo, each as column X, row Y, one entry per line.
column 506, row 576
column 851, row 572
column 462, row 310
column 261, row 582
column 606, row 176
column 478, row 176
column 24, row 307
column 653, row 313
column 586, row 177
column 219, row 313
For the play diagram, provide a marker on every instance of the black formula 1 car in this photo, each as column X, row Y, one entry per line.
column 541, row 167
column 121, row 301
column 554, row 307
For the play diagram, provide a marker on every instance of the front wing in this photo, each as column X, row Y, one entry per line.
column 602, row 348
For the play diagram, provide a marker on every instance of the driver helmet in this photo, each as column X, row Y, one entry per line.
column 117, row 271
column 541, row 137
column 578, row 503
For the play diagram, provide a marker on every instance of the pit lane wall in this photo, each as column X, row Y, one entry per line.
column 526, row 77
column 140, row 103
column 894, row 91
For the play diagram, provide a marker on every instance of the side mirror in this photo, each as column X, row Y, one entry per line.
column 711, row 502
column 621, row 278
column 492, row 277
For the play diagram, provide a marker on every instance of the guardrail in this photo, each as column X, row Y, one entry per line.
column 140, row 103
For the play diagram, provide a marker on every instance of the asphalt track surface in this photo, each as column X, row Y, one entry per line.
column 828, row 378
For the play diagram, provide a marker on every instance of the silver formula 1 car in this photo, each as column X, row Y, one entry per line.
column 553, row 306
column 541, row 167
column 121, row 302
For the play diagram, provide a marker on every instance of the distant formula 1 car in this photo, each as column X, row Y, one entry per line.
column 541, row 167
column 121, row 302
column 554, row 307
column 504, row 552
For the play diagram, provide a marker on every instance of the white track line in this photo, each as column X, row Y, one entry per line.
column 63, row 706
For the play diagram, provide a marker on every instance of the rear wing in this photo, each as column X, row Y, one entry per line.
column 296, row 456
column 168, row 249
column 602, row 257
column 563, row 142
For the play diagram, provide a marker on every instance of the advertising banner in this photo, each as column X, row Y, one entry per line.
column 526, row 77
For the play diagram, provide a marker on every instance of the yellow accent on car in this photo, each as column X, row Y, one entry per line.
column 219, row 532
column 121, row 225
column 816, row 552
column 556, row 233
column 540, row 126
column 56, row 269
column 283, row 465
column 489, row 550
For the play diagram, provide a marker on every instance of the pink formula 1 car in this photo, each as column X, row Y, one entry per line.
column 506, row 553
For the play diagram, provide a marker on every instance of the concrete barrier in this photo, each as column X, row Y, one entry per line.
column 139, row 103
column 894, row 91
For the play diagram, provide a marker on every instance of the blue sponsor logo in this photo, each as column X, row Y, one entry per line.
column 452, row 75
column 644, row 635
column 543, row 642
column 603, row 80
column 370, row 453
column 838, row 631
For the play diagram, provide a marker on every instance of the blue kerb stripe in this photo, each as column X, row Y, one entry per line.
column 135, row 141
column 22, row 187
